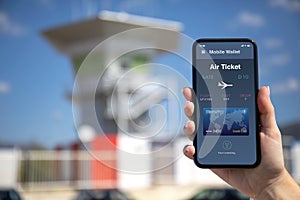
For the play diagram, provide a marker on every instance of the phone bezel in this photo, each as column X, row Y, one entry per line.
column 258, row 149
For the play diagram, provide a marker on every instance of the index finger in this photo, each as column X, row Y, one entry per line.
column 187, row 93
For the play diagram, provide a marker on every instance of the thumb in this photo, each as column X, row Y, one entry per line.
column 266, row 110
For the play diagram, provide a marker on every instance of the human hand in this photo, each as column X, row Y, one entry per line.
column 270, row 174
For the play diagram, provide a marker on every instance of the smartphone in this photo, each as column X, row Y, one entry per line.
column 225, row 84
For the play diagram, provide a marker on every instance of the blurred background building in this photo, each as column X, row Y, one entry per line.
column 127, row 91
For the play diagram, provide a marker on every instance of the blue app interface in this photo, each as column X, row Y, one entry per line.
column 226, row 81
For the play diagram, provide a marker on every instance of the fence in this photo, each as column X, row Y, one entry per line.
column 66, row 169
column 69, row 169
column 40, row 170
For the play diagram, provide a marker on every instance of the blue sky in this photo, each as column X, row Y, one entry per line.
column 34, row 77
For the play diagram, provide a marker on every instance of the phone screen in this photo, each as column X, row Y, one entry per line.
column 225, row 82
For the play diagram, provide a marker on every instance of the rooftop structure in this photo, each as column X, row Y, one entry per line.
column 78, row 39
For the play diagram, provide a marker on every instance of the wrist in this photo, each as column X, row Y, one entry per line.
column 281, row 188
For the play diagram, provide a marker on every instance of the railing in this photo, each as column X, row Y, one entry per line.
column 69, row 169
column 40, row 170
column 66, row 169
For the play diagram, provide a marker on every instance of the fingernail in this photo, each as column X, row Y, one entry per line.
column 186, row 152
column 268, row 88
column 183, row 89
column 185, row 149
column 187, row 102
column 185, row 126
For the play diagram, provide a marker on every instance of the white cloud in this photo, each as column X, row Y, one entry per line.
column 4, row 87
column 292, row 5
column 250, row 19
column 148, row 7
column 281, row 59
column 9, row 27
column 132, row 5
column 272, row 43
column 277, row 60
column 284, row 87
column 57, row 115
column 46, row 3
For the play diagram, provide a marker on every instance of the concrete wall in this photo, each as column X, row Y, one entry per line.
column 8, row 167
column 295, row 151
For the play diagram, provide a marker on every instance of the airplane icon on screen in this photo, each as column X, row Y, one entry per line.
column 224, row 85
